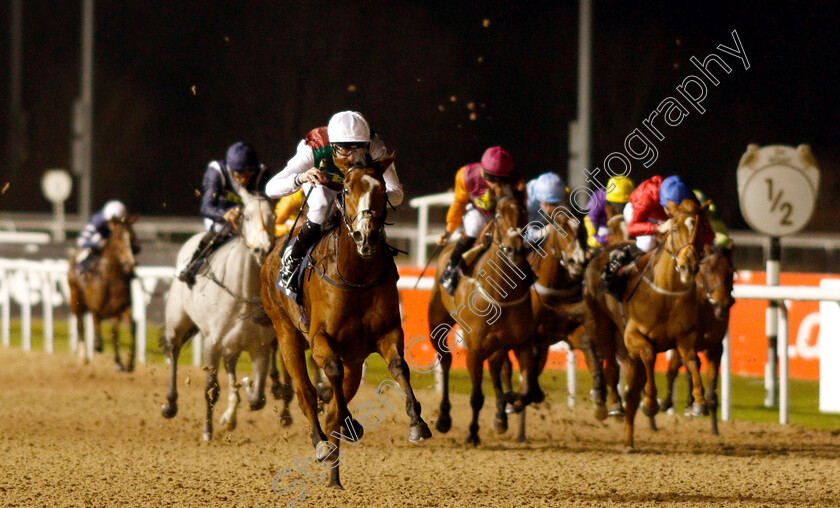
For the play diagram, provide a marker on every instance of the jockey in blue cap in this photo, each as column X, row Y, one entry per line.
column 220, row 200
column 545, row 192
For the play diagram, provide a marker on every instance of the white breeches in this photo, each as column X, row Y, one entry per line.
column 474, row 221
column 645, row 242
column 319, row 203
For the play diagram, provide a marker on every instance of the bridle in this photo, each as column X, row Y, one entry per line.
column 367, row 213
column 237, row 227
column 675, row 252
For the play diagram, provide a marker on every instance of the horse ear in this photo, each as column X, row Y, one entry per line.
column 672, row 208
column 132, row 219
column 385, row 162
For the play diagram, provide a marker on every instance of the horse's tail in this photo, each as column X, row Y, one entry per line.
column 255, row 313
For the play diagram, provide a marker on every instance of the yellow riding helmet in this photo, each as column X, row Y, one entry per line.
column 619, row 189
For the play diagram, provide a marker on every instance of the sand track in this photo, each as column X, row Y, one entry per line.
column 74, row 435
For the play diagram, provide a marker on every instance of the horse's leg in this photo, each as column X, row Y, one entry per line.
column 437, row 315
column 499, row 366
column 713, row 355
column 325, row 392
column 636, row 378
column 674, row 364
column 228, row 419
column 177, row 330
column 334, row 370
column 685, row 345
column 97, row 333
column 132, row 326
column 255, row 385
column 285, row 389
column 529, row 390
column 211, row 388
column 293, row 350
column 391, row 349
column 596, row 369
column 475, row 364
column 115, row 340
column 352, row 377
column 644, row 349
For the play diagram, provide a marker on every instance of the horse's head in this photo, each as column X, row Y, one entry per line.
column 511, row 217
column 684, row 240
column 716, row 278
column 364, row 204
column 121, row 241
column 566, row 247
column 256, row 224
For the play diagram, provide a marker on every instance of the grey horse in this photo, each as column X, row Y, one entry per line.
column 219, row 306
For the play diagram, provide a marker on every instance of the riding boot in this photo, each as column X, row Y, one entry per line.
column 188, row 272
column 614, row 276
column 309, row 234
column 452, row 273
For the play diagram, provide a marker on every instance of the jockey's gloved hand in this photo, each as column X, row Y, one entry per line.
column 312, row 176
column 664, row 227
column 232, row 214
column 444, row 238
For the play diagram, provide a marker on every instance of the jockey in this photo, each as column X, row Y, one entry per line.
column 720, row 230
column 286, row 213
column 95, row 234
column 545, row 192
column 476, row 187
column 220, row 201
column 345, row 141
column 646, row 214
column 596, row 220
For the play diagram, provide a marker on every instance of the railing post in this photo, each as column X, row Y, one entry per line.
column 73, row 332
column 5, row 300
column 47, row 301
column 725, row 380
column 784, row 382
column 89, row 336
column 25, row 312
column 138, row 315
column 422, row 231
column 571, row 375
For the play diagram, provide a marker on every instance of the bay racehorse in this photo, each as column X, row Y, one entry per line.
column 104, row 289
column 351, row 304
column 714, row 294
column 558, row 263
column 492, row 305
column 220, row 305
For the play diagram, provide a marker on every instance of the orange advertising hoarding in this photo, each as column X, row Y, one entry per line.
column 746, row 329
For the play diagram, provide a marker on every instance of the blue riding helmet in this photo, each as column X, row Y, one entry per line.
column 549, row 188
column 242, row 157
column 673, row 189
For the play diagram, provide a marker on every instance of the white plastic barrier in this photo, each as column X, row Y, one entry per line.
column 423, row 237
column 829, row 347
column 29, row 283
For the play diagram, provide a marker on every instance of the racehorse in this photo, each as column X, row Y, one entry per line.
column 558, row 263
column 225, row 294
column 105, row 289
column 714, row 293
column 491, row 317
column 661, row 311
column 351, row 304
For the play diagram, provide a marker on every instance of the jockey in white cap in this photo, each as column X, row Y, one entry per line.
column 319, row 164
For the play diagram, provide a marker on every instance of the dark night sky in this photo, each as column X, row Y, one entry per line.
column 268, row 72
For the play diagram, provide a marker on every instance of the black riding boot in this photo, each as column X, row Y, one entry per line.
column 452, row 273
column 187, row 274
column 614, row 278
column 309, row 234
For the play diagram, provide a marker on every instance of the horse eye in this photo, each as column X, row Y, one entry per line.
column 673, row 230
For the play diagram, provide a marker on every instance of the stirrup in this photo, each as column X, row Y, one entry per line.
column 289, row 271
column 449, row 280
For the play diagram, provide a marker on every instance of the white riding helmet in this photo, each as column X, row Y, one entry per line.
column 348, row 127
column 114, row 210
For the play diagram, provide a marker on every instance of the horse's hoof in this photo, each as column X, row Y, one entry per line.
column 665, row 405
column 207, row 436
column 536, row 396
column 258, row 404
column 357, row 428
column 500, row 424
column 335, row 485
column 615, row 411
column 518, row 406
column 130, row 368
column 629, row 449
column 473, row 440
column 285, row 418
column 118, row 367
column 522, row 439
column 169, row 410
column 601, row 412
column 650, row 407
column 322, row 453
column 699, row 409
column 419, row 432
column 444, row 423
column 509, row 408
column 229, row 424
column 98, row 348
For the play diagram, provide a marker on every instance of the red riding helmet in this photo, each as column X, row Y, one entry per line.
column 497, row 162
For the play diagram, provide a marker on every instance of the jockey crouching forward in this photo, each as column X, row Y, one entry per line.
column 647, row 215
column 477, row 187
column 603, row 205
column 91, row 241
column 322, row 158
column 220, row 201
